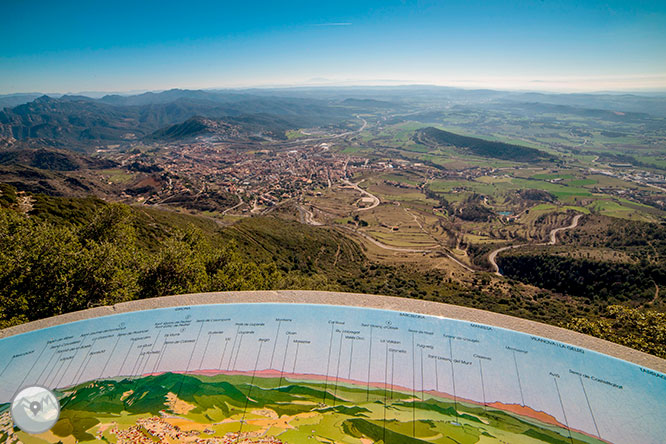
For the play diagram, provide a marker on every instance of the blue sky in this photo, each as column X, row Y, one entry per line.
column 72, row 46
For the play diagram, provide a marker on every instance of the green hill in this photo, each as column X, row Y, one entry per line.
column 237, row 127
column 479, row 147
column 51, row 159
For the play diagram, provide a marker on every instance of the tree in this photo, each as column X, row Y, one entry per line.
column 642, row 330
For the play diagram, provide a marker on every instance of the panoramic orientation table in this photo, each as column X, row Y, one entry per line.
column 303, row 366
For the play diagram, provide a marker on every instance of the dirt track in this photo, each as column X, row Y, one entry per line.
column 552, row 241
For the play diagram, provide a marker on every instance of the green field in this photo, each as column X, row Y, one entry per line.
column 118, row 175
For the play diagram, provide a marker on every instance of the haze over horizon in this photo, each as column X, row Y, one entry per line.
column 560, row 46
column 342, row 86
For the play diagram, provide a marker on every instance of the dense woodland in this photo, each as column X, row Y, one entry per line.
column 595, row 280
column 633, row 276
column 643, row 330
column 641, row 240
column 480, row 147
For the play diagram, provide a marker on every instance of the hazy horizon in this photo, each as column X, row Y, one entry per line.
column 341, row 86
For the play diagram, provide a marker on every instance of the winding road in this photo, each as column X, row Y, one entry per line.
column 389, row 247
column 240, row 202
column 307, row 216
column 552, row 241
column 323, row 137
column 375, row 199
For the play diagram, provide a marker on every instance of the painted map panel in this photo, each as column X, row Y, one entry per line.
column 270, row 373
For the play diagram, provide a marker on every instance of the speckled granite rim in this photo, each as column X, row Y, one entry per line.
column 358, row 300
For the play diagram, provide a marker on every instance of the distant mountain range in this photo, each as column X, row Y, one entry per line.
column 262, row 126
column 12, row 100
column 80, row 123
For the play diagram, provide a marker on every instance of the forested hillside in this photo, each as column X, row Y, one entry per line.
column 481, row 147
column 596, row 280
column 605, row 260
column 68, row 254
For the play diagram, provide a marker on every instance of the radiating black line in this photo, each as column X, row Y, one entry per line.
column 298, row 346
column 277, row 332
column 162, row 354
column 67, row 369
column 189, row 361
column 520, row 385
column 33, row 366
column 203, row 355
column 483, row 387
column 49, row 374
column 150, row 355
column 139, row 358
column 144, row 356
column 58, row 384
column 392, row 373
column 10, row 361
column 589, row 406
column 385, row 392
column 453, row 378
column 74, row 383
column 233, row 346
column 328, row 364
column 74, row 378
column 240, row 341
column 337, row 371
column 413, row 388
column 83, row 370
column 351, row 359
column 129, row 350
column 159, row 357
column 284, row 359
column 422, row 388
column 566, row 422
column 224, row 351
column 109, row 358
column 249, row 392
column 55, row 375
column 48, row 364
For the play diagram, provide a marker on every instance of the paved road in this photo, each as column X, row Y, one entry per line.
column 409, row 250
column 307, row 216
column 240, row 202
column 375, row 199
column 552, row 241
column 553, row 233
column 325, row 137
column 389, row 247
